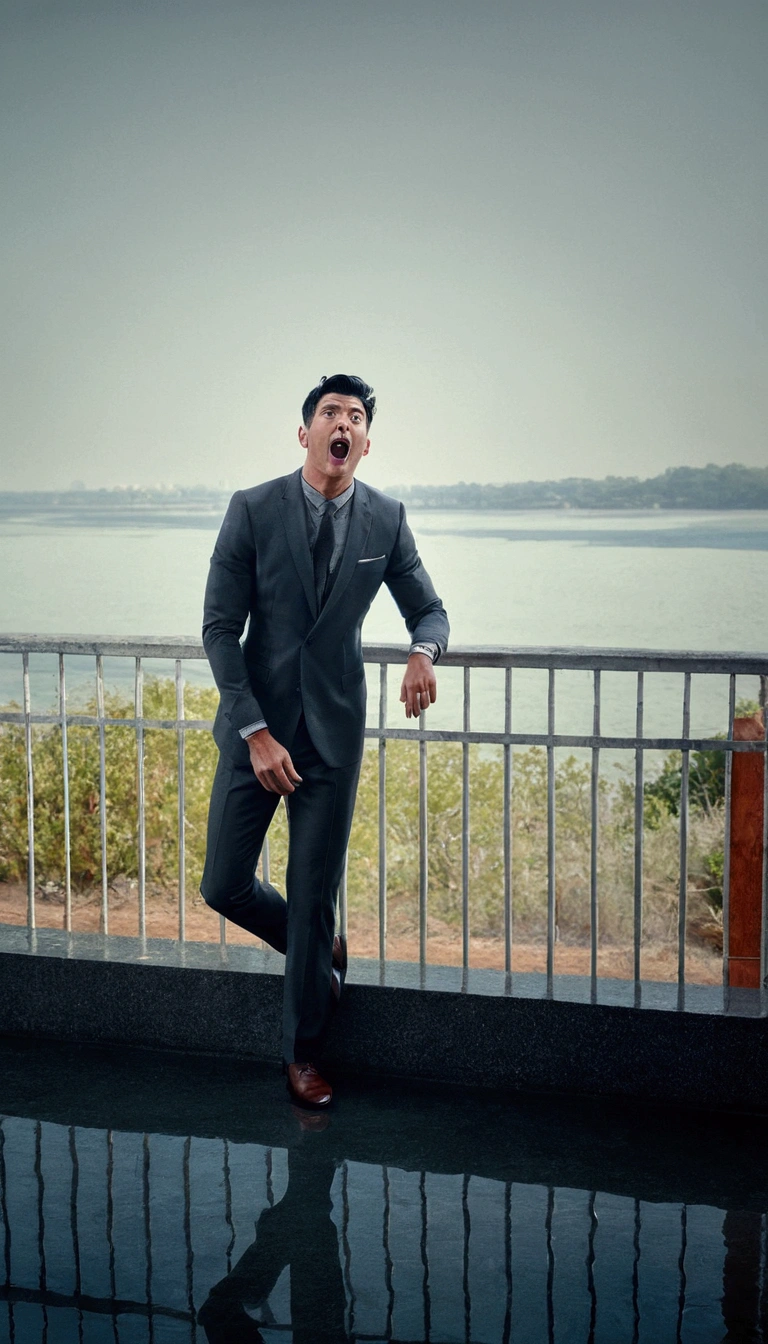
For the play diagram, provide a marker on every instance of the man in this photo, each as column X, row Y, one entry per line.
column 300, row 559
column 297, row 1232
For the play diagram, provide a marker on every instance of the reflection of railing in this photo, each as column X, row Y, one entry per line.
column 642, row 664
column 108, row 1223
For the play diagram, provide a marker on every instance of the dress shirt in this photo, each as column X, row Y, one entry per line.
column 316, row 507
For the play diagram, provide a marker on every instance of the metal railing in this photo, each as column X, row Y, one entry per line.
column 135, row 1230
column 642, row 664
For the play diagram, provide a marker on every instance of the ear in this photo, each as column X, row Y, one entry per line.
column 366, row 449
column 304, row 438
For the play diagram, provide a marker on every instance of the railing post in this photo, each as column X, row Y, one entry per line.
column 382, row 814
column 594, row 833
column 102, row 792
column 30, row 794
column 139, row 715
column 727, row 842
column 65, row 788
column 745, row 886
column 637, row 917
column 684, row 829
column 764, row 902
column 423, row 846
column 507, row 823
column 465, row 855
column 552, row 911
column 180, row 766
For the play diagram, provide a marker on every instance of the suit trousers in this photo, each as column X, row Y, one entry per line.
column 319, row 821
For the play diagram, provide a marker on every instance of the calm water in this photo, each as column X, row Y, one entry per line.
column 647, row 580
column 151, row 1198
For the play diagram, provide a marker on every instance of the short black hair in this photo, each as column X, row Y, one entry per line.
column 347, row 385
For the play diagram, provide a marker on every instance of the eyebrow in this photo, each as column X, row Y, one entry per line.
column 336, row 406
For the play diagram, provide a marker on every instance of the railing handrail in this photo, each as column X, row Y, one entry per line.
column 742, row 663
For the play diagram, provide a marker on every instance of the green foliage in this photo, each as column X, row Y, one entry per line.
column 706, row 777
column 121, row 793
column 714, row 868
column 706, row 783
column 706, row 793
column 485, row 853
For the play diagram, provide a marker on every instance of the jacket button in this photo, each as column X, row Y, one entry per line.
column 310, row 638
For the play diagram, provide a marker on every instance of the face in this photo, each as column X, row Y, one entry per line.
column 335, row 442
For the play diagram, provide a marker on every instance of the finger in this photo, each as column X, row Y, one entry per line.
column 275, row 781
column 290, row 771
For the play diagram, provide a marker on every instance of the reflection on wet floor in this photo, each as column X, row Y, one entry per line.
column 155, row 1198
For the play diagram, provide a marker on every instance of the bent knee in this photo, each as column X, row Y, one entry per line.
column 225, row 893
column 217, row 896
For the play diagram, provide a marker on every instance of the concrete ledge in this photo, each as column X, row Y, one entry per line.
column 496, row 1031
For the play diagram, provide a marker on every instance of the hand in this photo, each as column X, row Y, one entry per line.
column 419, row 688
column 271, row 763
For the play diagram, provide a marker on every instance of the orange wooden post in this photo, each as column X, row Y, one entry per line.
column 746, row 873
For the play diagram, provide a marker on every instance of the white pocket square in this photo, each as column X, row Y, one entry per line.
column 370, row 558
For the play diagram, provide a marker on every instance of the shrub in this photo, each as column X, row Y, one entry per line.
column 485, row 852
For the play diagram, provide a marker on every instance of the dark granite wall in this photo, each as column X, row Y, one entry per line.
column 483, row 1029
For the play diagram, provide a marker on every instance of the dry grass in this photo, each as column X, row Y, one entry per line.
column 659, row 961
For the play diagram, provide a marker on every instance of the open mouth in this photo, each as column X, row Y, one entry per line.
column 339, row 450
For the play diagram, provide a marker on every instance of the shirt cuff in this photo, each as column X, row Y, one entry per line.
column 253, row 728
column 425, row 646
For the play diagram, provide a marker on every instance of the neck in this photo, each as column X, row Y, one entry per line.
column 330, row 487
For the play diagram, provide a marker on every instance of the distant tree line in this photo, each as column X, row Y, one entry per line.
column 119, row 499
column 711, row 487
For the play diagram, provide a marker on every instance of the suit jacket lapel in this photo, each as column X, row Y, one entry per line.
column 293, row 514
column 357, row 536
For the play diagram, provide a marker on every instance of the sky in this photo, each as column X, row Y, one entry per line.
column 537, row 227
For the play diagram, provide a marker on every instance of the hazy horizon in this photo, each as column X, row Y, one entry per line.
column 227, row 484
column 538, row 230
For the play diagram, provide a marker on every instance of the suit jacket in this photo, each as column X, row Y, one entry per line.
column 294, row 658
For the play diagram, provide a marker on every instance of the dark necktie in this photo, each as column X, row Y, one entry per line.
column 321, row 557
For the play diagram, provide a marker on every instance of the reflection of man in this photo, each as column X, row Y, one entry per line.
column 297, row 1232
column 301, row 558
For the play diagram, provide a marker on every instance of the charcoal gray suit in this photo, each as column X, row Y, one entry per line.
column 301, row 669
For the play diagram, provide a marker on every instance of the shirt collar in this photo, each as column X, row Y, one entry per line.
column 319, row 501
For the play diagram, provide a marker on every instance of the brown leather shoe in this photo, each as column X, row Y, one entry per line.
column 306, row 1087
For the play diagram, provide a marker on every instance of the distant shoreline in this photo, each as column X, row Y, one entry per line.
column 680, row 489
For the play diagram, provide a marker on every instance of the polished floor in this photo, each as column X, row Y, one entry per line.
column 148, row 1197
